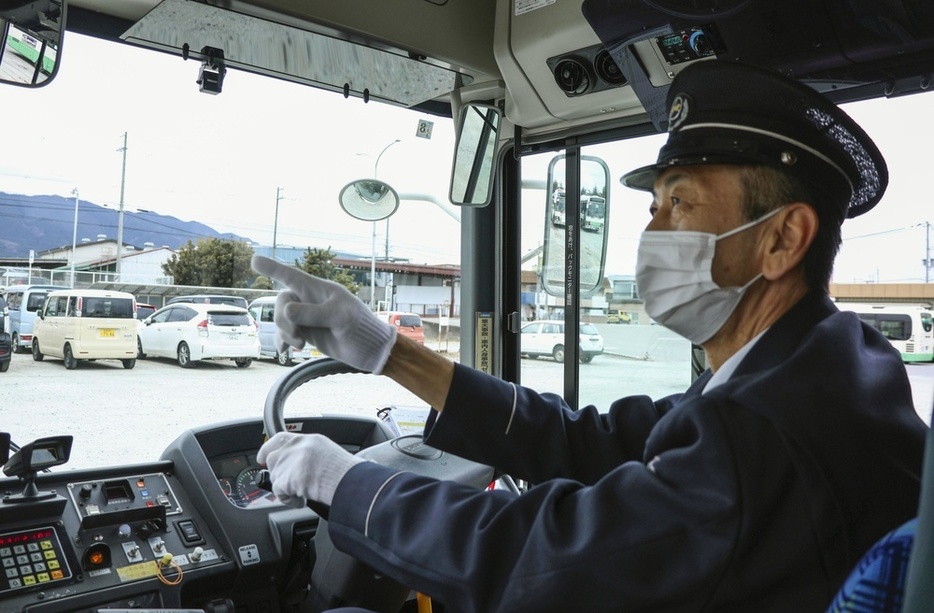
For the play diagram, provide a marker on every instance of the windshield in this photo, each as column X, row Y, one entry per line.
column 260, row 167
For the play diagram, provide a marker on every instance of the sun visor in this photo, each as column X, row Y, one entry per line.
column 239, row 40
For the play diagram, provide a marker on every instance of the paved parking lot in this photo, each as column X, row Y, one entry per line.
column 119, row 415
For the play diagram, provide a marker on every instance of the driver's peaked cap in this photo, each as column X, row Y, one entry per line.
column 729, row 113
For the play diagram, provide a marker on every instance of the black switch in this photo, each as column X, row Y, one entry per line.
column 189, row 532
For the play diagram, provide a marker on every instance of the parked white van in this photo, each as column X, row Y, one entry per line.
column 78, row 325
column 23, row 302
column 263, row 311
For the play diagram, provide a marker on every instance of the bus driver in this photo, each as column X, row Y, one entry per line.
column 757, row 489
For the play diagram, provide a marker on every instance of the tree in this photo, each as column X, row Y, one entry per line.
column 318, row 262
column 263, row 282
column 212, row 262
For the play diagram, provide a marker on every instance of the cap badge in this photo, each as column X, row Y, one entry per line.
column 680, row 109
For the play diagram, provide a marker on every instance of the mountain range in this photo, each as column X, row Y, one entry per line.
column 48, row 222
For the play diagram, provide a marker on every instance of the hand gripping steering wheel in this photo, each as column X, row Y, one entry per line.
column 337, row 578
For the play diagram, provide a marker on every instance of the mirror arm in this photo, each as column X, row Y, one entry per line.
column 517, row 142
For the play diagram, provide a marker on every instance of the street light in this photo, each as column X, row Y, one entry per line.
column 373, row 262
column 275, row 223
column 74, row 238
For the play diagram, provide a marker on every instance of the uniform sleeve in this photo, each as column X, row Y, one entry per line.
column 535, row 436
column 643, row 532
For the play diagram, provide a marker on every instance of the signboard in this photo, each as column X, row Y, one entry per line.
column 484, row 356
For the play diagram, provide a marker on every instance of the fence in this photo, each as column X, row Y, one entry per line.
column 82, row 279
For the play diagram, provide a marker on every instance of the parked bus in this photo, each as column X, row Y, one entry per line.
column 909, row 328
column 391, row 131
column 593, row 213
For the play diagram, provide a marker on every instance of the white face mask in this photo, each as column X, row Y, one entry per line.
column 674, row 279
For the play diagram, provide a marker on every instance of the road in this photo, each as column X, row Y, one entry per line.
column 119, row 415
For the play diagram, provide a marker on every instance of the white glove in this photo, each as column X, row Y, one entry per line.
column 328, row 316
column 305, row 467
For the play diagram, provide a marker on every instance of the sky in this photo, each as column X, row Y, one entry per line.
column 220, row 160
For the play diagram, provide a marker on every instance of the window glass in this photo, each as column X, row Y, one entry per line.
column 182, row 313
column 218, row 318
column 412, row 321
column 35, row 301
column 895, row 327
column 120, row 308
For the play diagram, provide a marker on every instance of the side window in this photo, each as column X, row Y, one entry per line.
column 530, row 328
column 181, row 314
column 57, row 306
column 72, row 306
column 14, row 300
column 268, row 312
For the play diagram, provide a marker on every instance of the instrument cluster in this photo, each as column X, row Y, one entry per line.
column 237, row 476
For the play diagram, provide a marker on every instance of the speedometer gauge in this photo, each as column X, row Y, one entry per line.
column 247, row 489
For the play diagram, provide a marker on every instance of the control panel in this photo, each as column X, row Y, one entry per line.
column 100, row 502
column 33, row 557
column 690, row 44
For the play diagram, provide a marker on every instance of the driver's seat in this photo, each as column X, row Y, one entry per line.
column 897, row 574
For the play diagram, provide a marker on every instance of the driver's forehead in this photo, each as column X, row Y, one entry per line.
column 702, row 182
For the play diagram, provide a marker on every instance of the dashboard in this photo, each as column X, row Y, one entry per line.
column 192, row 530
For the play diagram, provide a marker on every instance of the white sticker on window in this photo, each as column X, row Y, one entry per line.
column 524, row 6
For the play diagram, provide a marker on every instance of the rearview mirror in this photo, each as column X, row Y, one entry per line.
column 477, row 139
column 369, row 199
column 594, row 216
column 32, row 39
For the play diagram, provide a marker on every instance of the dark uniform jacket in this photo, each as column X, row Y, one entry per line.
column 760, row 495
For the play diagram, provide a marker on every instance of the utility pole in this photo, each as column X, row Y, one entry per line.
column 120, row 213
column 275, row 223
column 389, row 282
column 74, row 238
column 927, row 252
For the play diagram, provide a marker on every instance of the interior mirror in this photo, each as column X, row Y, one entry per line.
column 369, row 199
column 32, row 39
column 594, row 201
column 477, row 138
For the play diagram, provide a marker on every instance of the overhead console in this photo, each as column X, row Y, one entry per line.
column 612, row 60
column 846, row 49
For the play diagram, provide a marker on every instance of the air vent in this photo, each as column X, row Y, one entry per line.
column 572, row 76
column 607, row 69
column 586, row 71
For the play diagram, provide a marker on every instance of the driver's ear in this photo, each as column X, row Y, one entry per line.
column 787, row 238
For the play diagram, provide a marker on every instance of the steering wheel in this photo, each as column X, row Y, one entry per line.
column 273, row 411
column 338, row 579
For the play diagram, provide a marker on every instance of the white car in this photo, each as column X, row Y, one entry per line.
column 191, row 332
column 546, row 338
